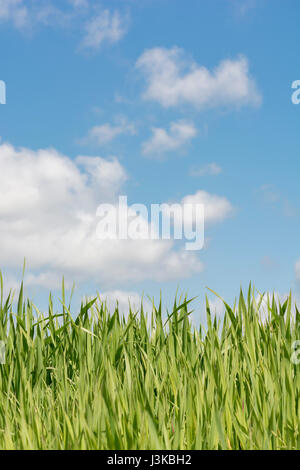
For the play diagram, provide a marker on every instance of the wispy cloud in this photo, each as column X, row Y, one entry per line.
column 208, row 169
column 27, row 15
column 269, row 194
column 106, row 133
column 106, row 27
column 97, row 26
column 162, row 141
column 269, row 263
column 272, row 197
column 243, row 7
column 15, row 11
column 79, row 3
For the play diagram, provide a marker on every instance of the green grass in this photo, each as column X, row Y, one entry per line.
column 96, row 380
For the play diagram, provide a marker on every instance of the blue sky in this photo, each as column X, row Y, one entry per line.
column 161, row 100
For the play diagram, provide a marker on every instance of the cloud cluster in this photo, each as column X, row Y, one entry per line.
column 173, row 80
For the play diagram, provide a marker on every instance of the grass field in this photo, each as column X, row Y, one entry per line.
column 97, row 380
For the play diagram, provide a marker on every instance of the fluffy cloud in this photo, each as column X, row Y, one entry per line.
column 192, row 215
column 173, row 80
column 105, row 133
column 216, row 208
column 48, row 215
column 209, row 169
column 162, row 141
column 105, row 27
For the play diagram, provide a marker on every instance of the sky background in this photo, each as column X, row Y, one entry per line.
column 157, row 100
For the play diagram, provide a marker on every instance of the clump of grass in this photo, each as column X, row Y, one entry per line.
column 96, row 380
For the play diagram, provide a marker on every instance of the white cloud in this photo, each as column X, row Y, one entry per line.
column 209, row 169
column 106, row 27
column 216, row 208
column 105, row 133
column 181, row 132
column 173, row 80
column 48, row 215
column 193, row 214
column 47, row 279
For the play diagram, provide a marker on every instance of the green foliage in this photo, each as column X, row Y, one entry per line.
column 101, row 381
